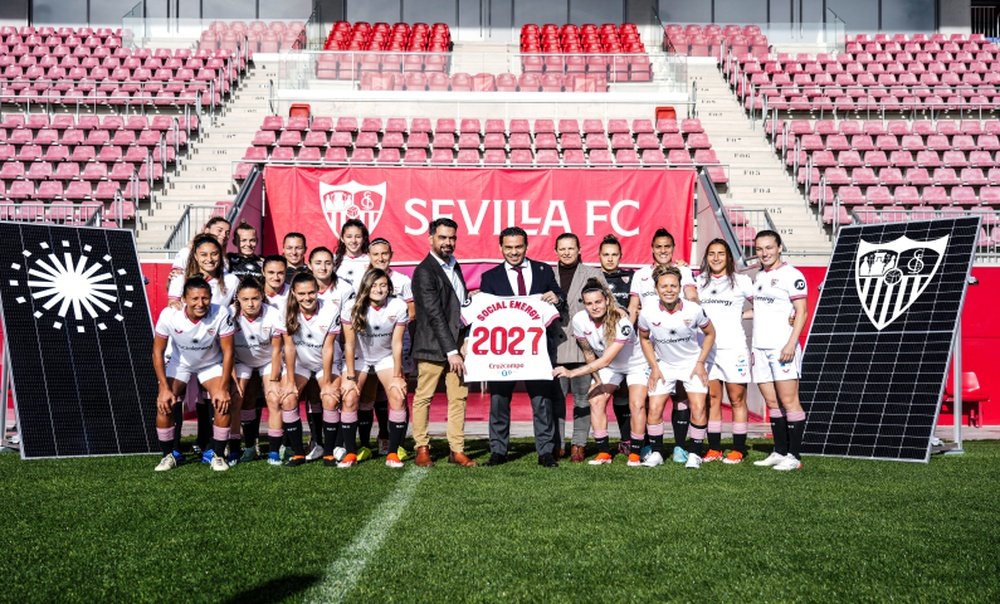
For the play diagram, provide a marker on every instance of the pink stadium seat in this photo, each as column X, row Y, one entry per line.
column 363, row 155
column 946, row 177
column 442, row 157
column 963, row 195
column 543, row 141
column 916, row 176
column 906, row 195
column 990, row 196
column 21, row 189
column 471, row 157
column 679, row 157
column 520, row 157
column 389, row 155
column 935, row 195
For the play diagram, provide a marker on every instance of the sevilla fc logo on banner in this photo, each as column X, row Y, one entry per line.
column 352, row 201
column 891, row 276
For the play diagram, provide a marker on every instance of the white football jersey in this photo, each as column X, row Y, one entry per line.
column 353, row 269
column 774, row 292
column 339, row 294
column 223, row 298
column 402, row 286
column 278, row 300
column 674, row 335
column 195, row 343
column 723, row 302
column 645, row 289
column 375, row 343
column 629, row 358
column 311, row 336
column 252, row 339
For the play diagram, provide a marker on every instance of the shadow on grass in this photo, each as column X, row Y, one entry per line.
column 479, row 449
column 275, row 590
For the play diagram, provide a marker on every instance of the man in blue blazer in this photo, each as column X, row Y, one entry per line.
column 519, row 276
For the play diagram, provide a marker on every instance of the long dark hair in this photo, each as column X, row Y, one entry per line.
column 342, row 248
column 193, row 270
column 292, row 305
column 359, row 314
column 706, row 272
column 247, row 283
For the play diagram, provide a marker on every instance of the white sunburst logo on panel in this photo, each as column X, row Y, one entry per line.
column 75, row 288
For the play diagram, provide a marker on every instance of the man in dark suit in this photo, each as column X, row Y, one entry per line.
column 519, row 276
column 438, row 294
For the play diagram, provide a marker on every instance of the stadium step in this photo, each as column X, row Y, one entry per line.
column 204, row 176
column 757, row 178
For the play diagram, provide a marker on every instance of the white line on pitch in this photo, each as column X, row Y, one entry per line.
column 343, row 574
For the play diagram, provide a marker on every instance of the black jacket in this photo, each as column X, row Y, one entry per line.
column 438, row 328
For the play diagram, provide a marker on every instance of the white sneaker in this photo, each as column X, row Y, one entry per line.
column 219, row 464
column 339, row 453
column 169, row 462
column 771, row 460
column 788, row 463
column 652, row 460
column 693, row 462
column 316, row 453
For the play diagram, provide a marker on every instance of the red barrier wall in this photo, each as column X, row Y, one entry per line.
column 980, row 329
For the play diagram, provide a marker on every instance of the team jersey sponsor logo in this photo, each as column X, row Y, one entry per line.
column 890, row 277
column 352, row 201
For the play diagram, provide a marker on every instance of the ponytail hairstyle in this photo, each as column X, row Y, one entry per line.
column 706, row 272
column 610, row 239
column 248, row 282
column 342, row 248
column 359, row 314
column 611, row 311
column 292, row 305
column 194, row 270
column 662, row 232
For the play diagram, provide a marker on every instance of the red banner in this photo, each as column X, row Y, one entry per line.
column 399, row 203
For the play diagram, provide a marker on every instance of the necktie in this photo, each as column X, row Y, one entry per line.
column 522, row 290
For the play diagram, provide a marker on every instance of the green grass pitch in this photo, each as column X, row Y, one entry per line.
column 110, row 530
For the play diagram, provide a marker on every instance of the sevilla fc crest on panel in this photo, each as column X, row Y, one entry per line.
column 352, row 201
column 891, row 276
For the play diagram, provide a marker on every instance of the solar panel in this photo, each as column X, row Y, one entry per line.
column 877, row 356
column 79, row 340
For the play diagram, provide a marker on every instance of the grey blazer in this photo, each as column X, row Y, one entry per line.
column 568, row 350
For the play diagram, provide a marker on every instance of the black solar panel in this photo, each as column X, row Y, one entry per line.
column 877, row 356
column 77, row 328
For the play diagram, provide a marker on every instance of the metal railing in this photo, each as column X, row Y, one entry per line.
column 190, row 222
column 64, row 213
column 986, row 20
column 322, row 163
column 755, row 98
column 303, row 70
column 88, row 104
